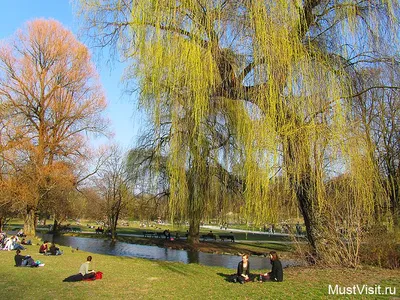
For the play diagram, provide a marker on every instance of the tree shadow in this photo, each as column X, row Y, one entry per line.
column 173, row 268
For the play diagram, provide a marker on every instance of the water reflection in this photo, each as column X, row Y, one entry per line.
column 102, row 246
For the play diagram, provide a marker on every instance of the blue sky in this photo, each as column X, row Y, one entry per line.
column 125, row 119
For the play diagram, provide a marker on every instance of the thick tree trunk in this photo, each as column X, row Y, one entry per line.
column 197, row 184
column 194, row 229
column 307, row 209
column 55, row 226
column 30, row 221
column 297, row 155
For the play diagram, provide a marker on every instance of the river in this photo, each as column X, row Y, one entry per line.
column 102, row 246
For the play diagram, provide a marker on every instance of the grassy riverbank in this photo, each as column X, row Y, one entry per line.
column 132, row 278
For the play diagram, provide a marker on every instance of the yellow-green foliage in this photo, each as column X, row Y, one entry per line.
column 299, row 95
column 290, row 116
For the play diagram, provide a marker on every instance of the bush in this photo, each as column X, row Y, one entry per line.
column 381, row 248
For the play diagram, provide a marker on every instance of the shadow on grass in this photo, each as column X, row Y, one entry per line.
column 176, row 268
column 227, row 277
column 230, row 277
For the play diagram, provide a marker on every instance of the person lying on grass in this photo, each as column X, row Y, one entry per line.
column 25, row 260
column 276, row 273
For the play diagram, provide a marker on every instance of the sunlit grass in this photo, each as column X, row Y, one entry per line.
column 134, row 278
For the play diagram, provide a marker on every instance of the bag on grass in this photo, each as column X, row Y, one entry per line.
column 99, row 275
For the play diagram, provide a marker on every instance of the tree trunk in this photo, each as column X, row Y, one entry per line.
column 197, row 193
column 113, row 228
column 30, row 221
column 55, row 226
column 194, row 229
column 302, row 189
column 297, row 155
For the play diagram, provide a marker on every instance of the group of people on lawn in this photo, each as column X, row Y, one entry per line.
column 28, row 261
column 13, row 242
column 85, row 273
column 52, row 250
column 243, row 270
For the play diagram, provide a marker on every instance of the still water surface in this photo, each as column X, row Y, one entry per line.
column 102, row 246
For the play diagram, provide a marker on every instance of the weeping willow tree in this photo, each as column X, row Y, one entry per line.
column 279, row 77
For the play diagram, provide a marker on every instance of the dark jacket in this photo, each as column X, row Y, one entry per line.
column 24, row 261
column 276, row 273
column 53, row 250
column 18, row 258
column 240, row 269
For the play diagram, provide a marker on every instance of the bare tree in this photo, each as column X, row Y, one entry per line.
column 112, row 182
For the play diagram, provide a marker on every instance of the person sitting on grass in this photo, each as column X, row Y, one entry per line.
column 24, row 242
column 84, row 269
column 16, row 244
column 84, row 272
column 11, row 243
column 44, row 248
column 3, row 237
column 54, row 250
column 21, row 233
column 243, row 270
column 25, row 260
column 8, row 244
column 276, row 273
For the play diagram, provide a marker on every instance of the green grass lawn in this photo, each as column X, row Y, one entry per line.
column 134, row 278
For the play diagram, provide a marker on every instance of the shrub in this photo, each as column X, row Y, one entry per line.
column 381, row 248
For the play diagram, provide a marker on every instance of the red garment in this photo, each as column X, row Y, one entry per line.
column 43, row 248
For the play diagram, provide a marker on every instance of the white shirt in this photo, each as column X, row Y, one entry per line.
column 84, row 269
